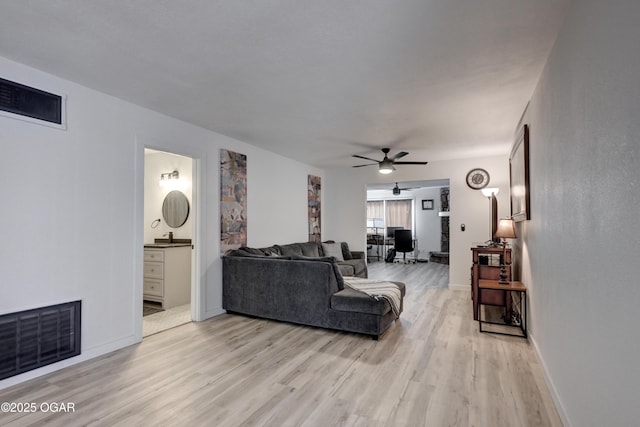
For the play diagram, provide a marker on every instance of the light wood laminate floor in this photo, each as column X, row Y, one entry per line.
column 431, row 368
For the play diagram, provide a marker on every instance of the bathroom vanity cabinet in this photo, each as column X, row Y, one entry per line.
column 167, row 274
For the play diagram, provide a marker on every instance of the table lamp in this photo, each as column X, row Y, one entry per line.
column 506, row 230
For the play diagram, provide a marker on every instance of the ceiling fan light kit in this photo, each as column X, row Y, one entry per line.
column 397, row 190
column 386, row 165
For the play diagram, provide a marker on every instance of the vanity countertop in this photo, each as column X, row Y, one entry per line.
column 165, row 245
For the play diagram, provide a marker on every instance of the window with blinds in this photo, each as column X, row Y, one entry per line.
column 393, row 213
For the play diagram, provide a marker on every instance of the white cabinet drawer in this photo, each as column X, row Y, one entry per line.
column 157, row 256
column 154, row 287
column 154, row 270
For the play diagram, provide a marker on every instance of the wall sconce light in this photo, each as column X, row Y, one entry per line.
column 506, row 230
column 169, row 176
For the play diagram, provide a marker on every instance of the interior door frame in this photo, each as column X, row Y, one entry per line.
column 198, row 157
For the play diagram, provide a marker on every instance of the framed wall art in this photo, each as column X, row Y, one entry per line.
column 314, row 208
column 427, row 205
column 233, row 200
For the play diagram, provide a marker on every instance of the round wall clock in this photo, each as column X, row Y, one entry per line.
column 477, row 178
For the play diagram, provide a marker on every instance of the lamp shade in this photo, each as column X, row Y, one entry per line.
column 506, row 229
column 488, row 191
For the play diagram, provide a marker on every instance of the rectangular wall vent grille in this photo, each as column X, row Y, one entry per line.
column 34, row 338
column 30, row 102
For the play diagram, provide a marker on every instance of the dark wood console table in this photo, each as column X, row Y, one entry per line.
column 486, row 265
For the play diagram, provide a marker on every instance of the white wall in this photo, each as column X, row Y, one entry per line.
column 345, row 205
column 428, row 223
column 72, row 210
column 581, row 245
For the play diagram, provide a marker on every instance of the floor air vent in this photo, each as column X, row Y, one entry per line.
column 34, row 338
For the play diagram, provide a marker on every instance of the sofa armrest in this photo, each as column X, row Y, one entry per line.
column 357, row 255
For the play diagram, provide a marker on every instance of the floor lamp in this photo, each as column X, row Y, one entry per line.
column 506, row 230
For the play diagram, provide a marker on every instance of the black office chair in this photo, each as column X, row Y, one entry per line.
column 403, row 242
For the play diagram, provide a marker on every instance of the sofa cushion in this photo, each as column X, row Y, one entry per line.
column 359, row 267
column 310, row 249
column 244, row 253
column 330, row 260
column 272, row 251
column 333, row 249
column 346, row 252
column 290, row 249
column 346, row 269
column 253, row 251
column 351, row 300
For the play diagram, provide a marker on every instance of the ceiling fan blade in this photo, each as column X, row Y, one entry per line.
column 399, row 155
column 366, row 158
column 368, row 164
column 410, row 163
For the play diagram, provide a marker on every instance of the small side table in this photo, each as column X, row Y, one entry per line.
column 519, row 306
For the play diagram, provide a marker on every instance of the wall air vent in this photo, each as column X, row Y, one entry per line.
column 34, row 338
column 35, row 105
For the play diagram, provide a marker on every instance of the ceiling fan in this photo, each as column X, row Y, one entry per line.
column 396, row 190
column 386, row 165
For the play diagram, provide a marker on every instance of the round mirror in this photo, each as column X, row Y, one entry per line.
column 175, row 209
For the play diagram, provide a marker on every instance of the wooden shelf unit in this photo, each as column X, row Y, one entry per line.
column 516, row 292
column 486, row 265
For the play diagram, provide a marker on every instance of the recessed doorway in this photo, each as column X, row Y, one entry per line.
column 169, row 230
column 421, row 207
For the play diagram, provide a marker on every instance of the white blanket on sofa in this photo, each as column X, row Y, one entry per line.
column 378, row 289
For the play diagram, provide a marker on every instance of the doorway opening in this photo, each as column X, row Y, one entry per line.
column 169, row 230
column 419, row 206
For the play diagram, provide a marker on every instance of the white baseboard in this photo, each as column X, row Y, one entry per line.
column 459, row 287
column 552, row 389
column 86, row 354
column 213, row 313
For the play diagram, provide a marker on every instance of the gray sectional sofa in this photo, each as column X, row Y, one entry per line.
column 297, row 283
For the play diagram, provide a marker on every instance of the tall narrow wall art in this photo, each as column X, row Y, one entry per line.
column 233, row 200
column 313, row 191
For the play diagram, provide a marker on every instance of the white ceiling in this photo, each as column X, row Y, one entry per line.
column 414, row 185
column 314, row 80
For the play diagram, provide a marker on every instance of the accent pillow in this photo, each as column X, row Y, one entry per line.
column 334, row 250
column 346, row 252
